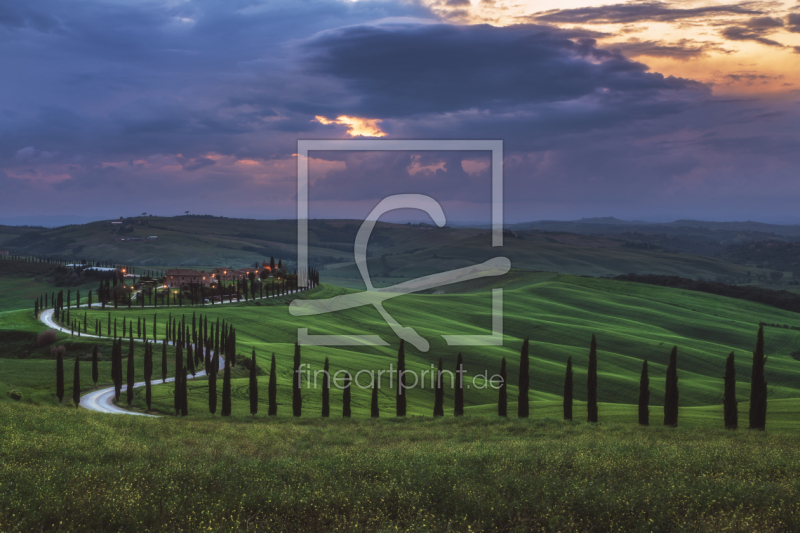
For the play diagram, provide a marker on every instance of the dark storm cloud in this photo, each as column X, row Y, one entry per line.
column 642, row 12
column 109, row 80
column 109, row 104
column 403, row 70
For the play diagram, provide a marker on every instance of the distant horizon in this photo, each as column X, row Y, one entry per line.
column 56, row 221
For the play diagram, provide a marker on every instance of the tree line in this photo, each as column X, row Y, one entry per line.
column 204, row 346
column 110, row 291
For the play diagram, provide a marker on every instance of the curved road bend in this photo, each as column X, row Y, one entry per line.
column 103, row 400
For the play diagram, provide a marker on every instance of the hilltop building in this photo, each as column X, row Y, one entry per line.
column 178, row 277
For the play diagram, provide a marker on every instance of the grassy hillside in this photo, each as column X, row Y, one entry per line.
column 588, row 257
column 559, row 313
column 398, row 251
column 69, row 470
column 200, row 240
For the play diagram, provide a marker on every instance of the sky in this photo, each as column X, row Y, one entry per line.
column 640, row 110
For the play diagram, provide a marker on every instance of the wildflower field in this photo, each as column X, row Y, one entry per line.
column 71, row 470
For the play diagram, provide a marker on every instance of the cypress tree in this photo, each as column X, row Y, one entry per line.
column 114, row 362
column 568, row 391
column 178, row 380
column 591, row 383
column 729, row 399
column 438, row 402
column 118, row 367
column 232, row 341
column 374, row 412
column 148, row 372
column 130, row 372
column 400, row 400
column 76, row 384
column 190, row 359
column 346, row 396
column 184, row 393
column 644, row 397
column 326, row 390
column 59, row 376
column 458, row 407
column 138, row 327
column 95, row 369
column 155, row 324
column 502, row 397
column 254, row 386
column 273, row 388
column 297, row 398
column 226, row 389
column 36, row 309
column 671, row 390
column 523, row 409
column 178, row 394
column 758, row 385
column 164, row 362
column 212, row 384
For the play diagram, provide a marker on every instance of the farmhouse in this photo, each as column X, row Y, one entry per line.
column 178, row 277
column 225, row 274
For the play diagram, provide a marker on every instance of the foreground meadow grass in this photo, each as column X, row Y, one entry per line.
column 70, row 470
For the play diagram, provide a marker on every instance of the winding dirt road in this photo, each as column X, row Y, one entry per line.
column 102, row 400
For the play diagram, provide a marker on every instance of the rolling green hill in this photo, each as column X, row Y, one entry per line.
column 559, row 313
column 588, row 257
column 397, row 251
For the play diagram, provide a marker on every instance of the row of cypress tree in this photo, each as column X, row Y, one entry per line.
column 223, row 337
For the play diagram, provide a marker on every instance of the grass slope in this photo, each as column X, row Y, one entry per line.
column 398, row 251
column 559, row 313
column 535, row 252
column 69, row 470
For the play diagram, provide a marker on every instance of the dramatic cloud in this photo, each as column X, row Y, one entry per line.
column 793, row 22
column 642, row 12
column 750, row 33
column 114, row 105
column 682, row 50
column 403, row 70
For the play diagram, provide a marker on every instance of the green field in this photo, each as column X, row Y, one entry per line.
column 559, row 313
column 67, row 469
column 70, row 470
